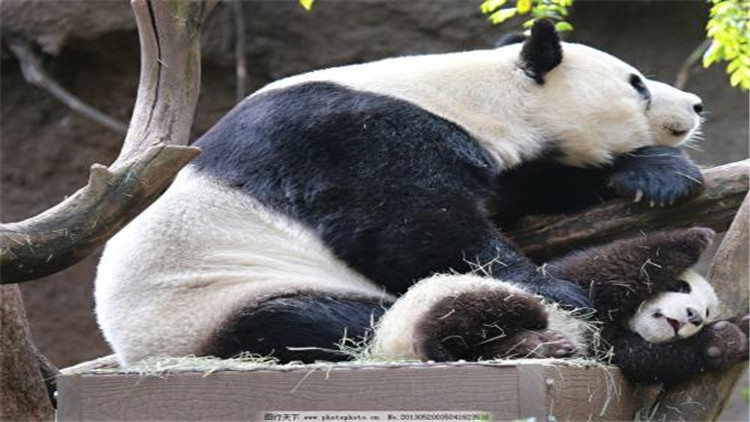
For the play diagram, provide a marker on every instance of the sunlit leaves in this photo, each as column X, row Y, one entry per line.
column 556, row 10
column 729, row 30
column 307, row 4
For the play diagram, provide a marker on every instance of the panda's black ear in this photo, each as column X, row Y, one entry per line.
column 542, row 50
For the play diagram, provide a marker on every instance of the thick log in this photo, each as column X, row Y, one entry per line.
column 153, row 151
column 23, row 395
column 545, row 237
column 703, row 398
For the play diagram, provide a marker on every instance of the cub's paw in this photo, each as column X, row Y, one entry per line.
column 531, row 344
column 467, row 325
column 727, row 344
column 742, row 321
column 656, row 176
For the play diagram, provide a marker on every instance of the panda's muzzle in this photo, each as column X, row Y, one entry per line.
column 676, row 325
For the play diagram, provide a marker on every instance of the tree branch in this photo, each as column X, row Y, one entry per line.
column 34, row 74
column 544, row 237
column 239, row 49
column 683, row 75
column 152, row 153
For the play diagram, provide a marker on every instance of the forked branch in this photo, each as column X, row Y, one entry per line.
column 154, row 150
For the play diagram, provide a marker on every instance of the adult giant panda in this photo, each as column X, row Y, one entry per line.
column 322, row 197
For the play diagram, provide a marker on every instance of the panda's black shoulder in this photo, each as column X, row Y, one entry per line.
column 312, row 128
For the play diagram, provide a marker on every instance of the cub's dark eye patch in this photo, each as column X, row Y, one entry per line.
column 637, row 83
column 679, row 286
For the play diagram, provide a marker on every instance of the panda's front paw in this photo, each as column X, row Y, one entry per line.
column 656, row 176
column 726, row 345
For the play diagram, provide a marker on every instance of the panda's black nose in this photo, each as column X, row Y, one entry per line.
column 694, row 317
column 698, row 107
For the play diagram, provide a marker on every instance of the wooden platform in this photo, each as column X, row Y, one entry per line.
column 521, row 390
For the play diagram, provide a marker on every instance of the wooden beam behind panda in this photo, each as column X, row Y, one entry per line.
column 544, row 237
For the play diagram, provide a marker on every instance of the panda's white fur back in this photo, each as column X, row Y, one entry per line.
column 165, row 283
column 517, row 122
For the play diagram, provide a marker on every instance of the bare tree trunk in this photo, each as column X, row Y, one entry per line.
column 23, row 394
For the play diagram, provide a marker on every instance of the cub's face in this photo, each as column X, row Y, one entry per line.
column 677, row 314
column 597, row 106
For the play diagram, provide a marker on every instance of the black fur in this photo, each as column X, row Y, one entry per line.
column 314, row 322
column 396, row 192
column 664, row 175
column 464, row 326
column 485, row 325
column 542, row 51
column 543, row 186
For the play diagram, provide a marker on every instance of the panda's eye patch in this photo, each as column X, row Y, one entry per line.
column 679, row 286
column 637, row 83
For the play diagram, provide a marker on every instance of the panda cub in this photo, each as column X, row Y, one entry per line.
column 656, row 316
column 321, row 198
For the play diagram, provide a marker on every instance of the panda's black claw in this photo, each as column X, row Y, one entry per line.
column 655, row 176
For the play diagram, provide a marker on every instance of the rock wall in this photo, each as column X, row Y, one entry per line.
column 47, row 148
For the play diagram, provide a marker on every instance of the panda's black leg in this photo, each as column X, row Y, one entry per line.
column 301, row 327
column 655, row 175
column 449, row 234
column 544, row 186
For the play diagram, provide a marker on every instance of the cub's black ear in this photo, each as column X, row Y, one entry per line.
column 510, row 38
column 542, row 50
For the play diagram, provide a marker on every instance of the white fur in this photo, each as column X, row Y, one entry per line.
column 651, row 323
column 586, row 103
column 169, row 279
column 395, row 334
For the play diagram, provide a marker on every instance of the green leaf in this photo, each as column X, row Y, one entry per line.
column 489, row 6
column 563, row 26
column 502, row 15
column 523, row 6
column 735, row 79
column 307, row 4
